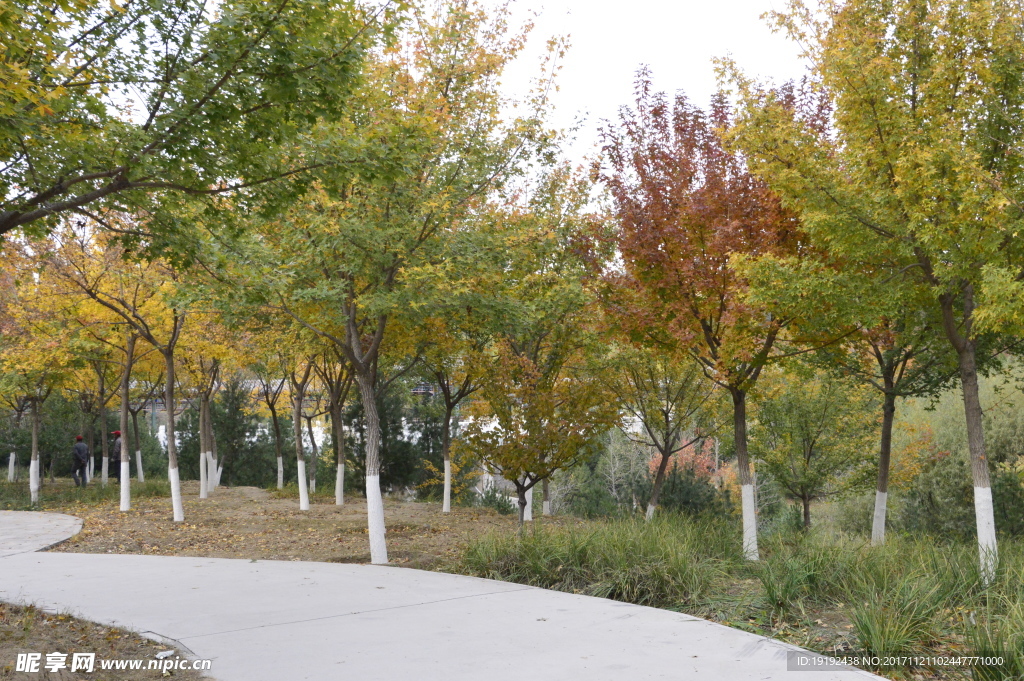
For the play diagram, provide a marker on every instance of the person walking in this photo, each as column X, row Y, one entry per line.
column 80, row 460
column 116, row 454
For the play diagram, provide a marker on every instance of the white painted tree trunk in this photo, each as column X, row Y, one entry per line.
column 446, row 505
column 11, row 463
column 89, row 469
column 749, row 523
column 374, row 501
column 650, row 511
column 211, row 471
column 105, row 470
column 33, row 479
column 375, row 521
column 220, row 469
column 987, row 548
column 126, row 485
column 303, row 490
column 280, row 472
column 547, row 507
column 176, row 505
column 203, row 487
column 528, row 511
column 546, row 504
column 878, row 521
column 339, row 486
column 138, row 465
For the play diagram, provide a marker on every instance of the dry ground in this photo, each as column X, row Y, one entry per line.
column 247, row 522
column 28, row 630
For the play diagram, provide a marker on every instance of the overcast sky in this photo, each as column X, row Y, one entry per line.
column 610, row 40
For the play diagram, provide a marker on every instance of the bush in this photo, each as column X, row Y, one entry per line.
column 496, row 499
column 940, row 501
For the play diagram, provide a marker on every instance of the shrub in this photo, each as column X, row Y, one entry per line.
column 494, row 498
column 940, row 501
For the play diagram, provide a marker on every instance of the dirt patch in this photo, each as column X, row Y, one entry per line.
column 30, row 630
column 246, row 522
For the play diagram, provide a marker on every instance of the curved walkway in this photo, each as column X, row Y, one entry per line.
column 277, row 620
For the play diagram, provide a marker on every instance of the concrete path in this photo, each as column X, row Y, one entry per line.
column 284, row 621
column 25, row 531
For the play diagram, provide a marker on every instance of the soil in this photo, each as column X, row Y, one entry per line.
column 29, row 630
column 248, row 522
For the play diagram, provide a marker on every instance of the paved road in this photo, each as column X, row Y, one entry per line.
column 284, row 621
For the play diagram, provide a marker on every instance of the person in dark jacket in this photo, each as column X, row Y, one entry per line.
column 115, row 455
column 80, row 457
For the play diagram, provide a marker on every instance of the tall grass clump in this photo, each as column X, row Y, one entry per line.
column 804, row 566
column 667, row 562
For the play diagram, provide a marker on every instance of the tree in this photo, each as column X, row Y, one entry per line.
column 541, row 413
column 451, row 362
column 36, row 352
column 545, row 401
column 140, row 292
column 336, row 375
column 267, row 366
column 671, row 399
column 684, row 205
column 117, row 105
column 899, row 357
column 371, row 249
column 813, row 435
column 917, row 164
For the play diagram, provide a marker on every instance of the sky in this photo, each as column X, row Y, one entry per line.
column 610, row 40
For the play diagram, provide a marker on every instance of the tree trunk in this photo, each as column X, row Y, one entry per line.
column 885, row 450
column 33, row 470
column 807, row 513
column 521, row 492
column 172, row 447
column 339, row 453
column 105, row 469
column 299, row 454
column 278, row 446
column 964, row 345
column 11, row 464
column 547, row 497
column 528, row 510
column 739, row 423
column 374, row 501
column 216, row 463
column 212, row 466
column 126, row 377
column 204, row 471
column 138, row 447
column 314, row 460
column 90, row 436
column 988, row 548
column 659, row 480
column 446, row 441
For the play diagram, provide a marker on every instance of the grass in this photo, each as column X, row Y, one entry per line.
column 15, row 496
column 291, row 491
column 819, row 589
column 660, row 563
